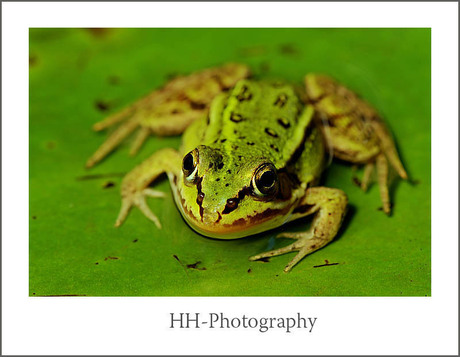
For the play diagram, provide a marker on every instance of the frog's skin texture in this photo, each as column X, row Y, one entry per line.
column 252, row 153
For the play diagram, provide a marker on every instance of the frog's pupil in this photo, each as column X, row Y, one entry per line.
column 267, row 179
column 188, row 163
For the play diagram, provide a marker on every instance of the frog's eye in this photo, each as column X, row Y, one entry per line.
column 190, row 166
column 265, row 181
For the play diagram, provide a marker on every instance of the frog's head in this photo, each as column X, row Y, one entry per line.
column 231, row 196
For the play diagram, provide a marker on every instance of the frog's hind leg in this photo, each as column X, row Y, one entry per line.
column 354, row 131
column 329, row 204
column 124, row 130
column 134, row 187
column 170, row 110
column 141, row 135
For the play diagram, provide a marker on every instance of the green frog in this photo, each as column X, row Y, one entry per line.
column 252, row 153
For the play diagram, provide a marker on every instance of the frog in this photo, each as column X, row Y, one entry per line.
column 252, row 154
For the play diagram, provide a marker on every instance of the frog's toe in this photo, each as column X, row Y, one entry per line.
column 138, row 200
column 293, row 235
column 154, row 193
column 305, row 244
column 274, row 252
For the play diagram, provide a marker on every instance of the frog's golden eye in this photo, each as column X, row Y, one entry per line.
column 190, row 166
column 265, row 181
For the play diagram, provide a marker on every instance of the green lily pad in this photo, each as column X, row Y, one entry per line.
column 79, row 76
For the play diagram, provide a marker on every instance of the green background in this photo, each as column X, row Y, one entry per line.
column 79, row 76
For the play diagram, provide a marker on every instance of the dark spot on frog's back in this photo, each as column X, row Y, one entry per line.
column 274, row 147
column 284, row 123
column 236, row 118
column 281, row 100
column 271, row 132
column 244, row 94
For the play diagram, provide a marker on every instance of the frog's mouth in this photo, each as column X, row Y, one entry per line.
column 214, row 226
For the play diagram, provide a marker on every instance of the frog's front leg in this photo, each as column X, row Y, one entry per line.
column 329, row 204
column 134, row 187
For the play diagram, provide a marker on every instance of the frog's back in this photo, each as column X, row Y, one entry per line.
column 258, row 119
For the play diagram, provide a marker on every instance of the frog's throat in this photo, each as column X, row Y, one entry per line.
column 243, row 227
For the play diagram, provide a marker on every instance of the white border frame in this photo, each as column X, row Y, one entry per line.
column 121, row 325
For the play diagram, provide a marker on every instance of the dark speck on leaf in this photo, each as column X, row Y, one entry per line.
column 356, row 181
column 325, row 265
column 253, row 51
column 99, row 32
column 102, row 105
column 249, row 270
column 265, row 67
column 50, row 145
column 34, row 217
column 108, row 184
column 289, row 49
column 111, row 258
column 113, row 80
column 33, row 60
column 97, row 263
column 172, row 75
column 135, row 241
column 195, row 266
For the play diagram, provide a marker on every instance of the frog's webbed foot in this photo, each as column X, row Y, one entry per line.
column 354, row 131
column 134, row 187
column 167, row 111
column 330, row 205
